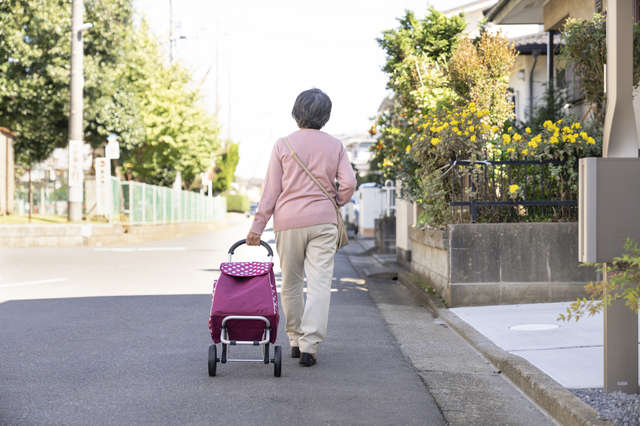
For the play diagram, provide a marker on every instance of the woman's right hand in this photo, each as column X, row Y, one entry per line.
column 253, row 239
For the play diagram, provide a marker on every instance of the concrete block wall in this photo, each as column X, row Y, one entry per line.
column 504, row 263
column 430, row 258
column 404, row 221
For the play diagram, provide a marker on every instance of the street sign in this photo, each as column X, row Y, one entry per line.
column 103, row 186
column 112, row 150
column 76, row 174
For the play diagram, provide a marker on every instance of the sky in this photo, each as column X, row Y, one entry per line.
column 251, row 58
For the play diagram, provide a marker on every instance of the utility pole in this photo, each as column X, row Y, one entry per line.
column 76, row 137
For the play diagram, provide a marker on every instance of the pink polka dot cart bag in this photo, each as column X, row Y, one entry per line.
column 244, row 310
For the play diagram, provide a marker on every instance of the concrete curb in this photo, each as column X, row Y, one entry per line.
column 559, row 402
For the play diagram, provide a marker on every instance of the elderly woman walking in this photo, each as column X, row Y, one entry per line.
column 303, row 205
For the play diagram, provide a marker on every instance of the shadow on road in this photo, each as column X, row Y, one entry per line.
column 132, row 359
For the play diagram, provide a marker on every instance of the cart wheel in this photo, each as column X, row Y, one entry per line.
column 266, row 353
column 223, row 359
column 277, row 361
column 213, row 360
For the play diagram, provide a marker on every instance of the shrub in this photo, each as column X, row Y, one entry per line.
column 464, row 134
column 479, row 73
column 623, row 283
column 237, row 202
column 585, row 48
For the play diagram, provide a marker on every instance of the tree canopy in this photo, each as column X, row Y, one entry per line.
column 130, row 90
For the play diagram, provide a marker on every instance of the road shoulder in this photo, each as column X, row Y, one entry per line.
column 465, row 385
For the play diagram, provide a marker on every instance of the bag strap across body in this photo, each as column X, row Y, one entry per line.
column 299, row 161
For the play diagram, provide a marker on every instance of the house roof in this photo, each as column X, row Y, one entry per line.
column 537, row 42
column 507, row 12
column 470, row 6
column 7, row 132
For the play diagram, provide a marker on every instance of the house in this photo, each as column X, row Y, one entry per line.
column 357, row 147
column 552, row 15
column 528, row 80
column 7, row 183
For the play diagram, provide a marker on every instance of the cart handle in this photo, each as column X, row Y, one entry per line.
column 241, row 242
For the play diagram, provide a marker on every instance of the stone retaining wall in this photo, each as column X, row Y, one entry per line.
column 95, row 235
column 505, row 263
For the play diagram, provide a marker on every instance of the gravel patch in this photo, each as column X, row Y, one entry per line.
column 617, row 407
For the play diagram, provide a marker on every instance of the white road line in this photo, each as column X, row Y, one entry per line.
column 161, row 249
column 20, row 284
column 132, row 249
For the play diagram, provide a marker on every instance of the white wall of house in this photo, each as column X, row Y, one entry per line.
column 519, row 83
column 371, row 208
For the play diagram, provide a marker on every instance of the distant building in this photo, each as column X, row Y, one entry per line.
column 358, row 149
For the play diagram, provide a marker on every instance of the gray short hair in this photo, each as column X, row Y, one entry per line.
column 312, row 109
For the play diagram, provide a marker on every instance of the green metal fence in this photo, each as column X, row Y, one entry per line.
column 150, row 204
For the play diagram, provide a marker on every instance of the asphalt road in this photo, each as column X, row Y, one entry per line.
column 119, row 336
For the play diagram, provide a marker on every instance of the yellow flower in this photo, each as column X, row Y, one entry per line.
column 553, row 139
column 525, row 151
column 510, row 129
column 408, row 148
column 435, row 141
column 591, row 141
column 577, row 125
column 387, row 163
column 548, row 124
column 513, row 189
column 472, row 129
column 472, row 138
column 511, row 150
column 584, row 135
column 527, row 130
column 516, row 137
column 495, row 129
column 506, row 139
column 532, row 144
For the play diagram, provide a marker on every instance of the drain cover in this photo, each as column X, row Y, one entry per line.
column 534, row 327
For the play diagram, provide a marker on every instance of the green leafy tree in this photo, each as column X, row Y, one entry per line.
column 179, row 134
column 417, row 53
column 34, row 74
column 226, row 167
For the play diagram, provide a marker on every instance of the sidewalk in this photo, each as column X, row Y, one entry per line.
column 543, row 357
column 467, row 387
column 570, row 352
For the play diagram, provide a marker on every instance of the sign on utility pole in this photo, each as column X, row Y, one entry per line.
column 103, row 187
column 112, row 150
column 76, row 176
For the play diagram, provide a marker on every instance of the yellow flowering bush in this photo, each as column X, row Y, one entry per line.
column 445, row 143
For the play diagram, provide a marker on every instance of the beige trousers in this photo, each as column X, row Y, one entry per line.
column 306, row 251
